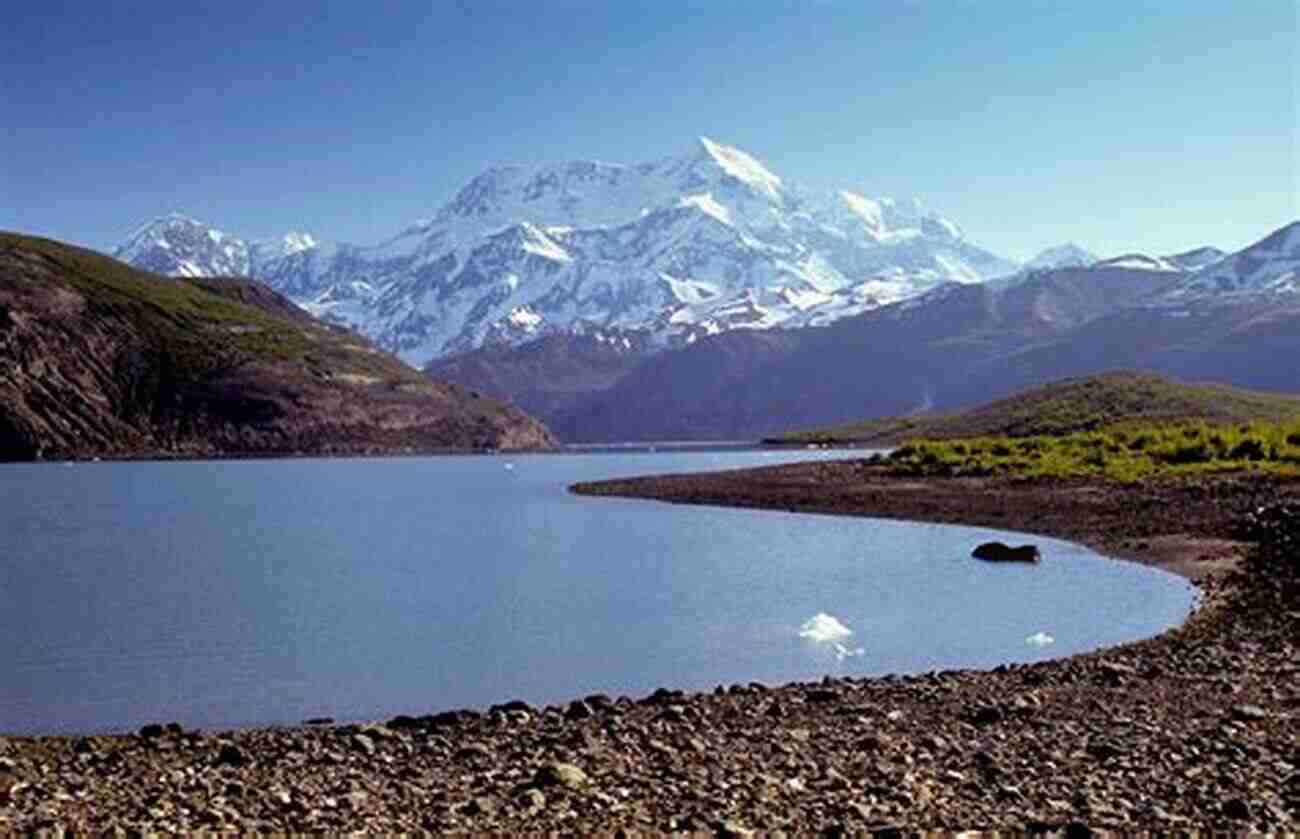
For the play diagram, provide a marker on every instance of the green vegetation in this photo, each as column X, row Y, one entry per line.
column 1071, row 406
column 1124, row 453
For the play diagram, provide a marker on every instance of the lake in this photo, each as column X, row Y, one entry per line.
column 238, row 593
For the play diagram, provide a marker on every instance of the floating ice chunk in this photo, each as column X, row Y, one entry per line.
column 1040, row 639
column 510, row 467
column 823, row 628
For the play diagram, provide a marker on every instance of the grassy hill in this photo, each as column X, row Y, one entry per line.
column 1125, row 452
column 100, row 359
column 1070, row 406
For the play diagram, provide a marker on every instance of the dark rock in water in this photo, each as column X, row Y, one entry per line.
column 999, row 552
column 319, row 721
column 151, row 731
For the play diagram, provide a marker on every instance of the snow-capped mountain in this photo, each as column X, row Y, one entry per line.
column 697, row 244
column 1068, row 255
column 1267, row 268
column 182, row 247
column 1196, row 259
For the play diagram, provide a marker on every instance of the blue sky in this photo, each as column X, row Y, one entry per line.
column 1119, row 125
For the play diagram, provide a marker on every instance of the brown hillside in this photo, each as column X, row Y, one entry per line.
column 98, row 359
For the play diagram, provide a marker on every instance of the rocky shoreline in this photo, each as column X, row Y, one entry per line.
column 1193, row 729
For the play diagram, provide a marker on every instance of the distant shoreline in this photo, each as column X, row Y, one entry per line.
column 653, row 447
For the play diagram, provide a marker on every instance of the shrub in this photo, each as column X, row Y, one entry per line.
column 1188, row 453
column 1250, row 448
column 1142, row 441
column 1128, row 455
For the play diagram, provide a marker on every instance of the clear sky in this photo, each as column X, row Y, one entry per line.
column 1132, row 125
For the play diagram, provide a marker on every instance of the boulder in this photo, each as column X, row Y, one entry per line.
column 999, row 552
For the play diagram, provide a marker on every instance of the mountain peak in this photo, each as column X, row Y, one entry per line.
column 743, row 167
column 179, row 245
column 297, row 240
column 1268, row 267
column 170, row 221
column 1196, row 258
column 1067, row 255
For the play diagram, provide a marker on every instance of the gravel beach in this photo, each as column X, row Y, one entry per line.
column 1196, row 728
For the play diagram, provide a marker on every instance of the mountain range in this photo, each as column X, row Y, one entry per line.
column 671, row 251
column 703, row 295
column 955, row 345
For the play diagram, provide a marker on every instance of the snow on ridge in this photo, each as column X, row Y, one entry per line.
column 958, row 271
column 947, row 226
column 803, row 300
column 296, row 241
column 691, row 292
column 536, row 242
column 1139, row 262
column 744, row 168
column 1196, row 259
column 1268, row 267
column 869, row 211
column 705, row 203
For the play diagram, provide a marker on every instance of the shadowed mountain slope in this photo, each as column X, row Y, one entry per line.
column 953, row 347
column 101, row 359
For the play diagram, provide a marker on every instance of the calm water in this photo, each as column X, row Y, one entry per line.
column 252, row 592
